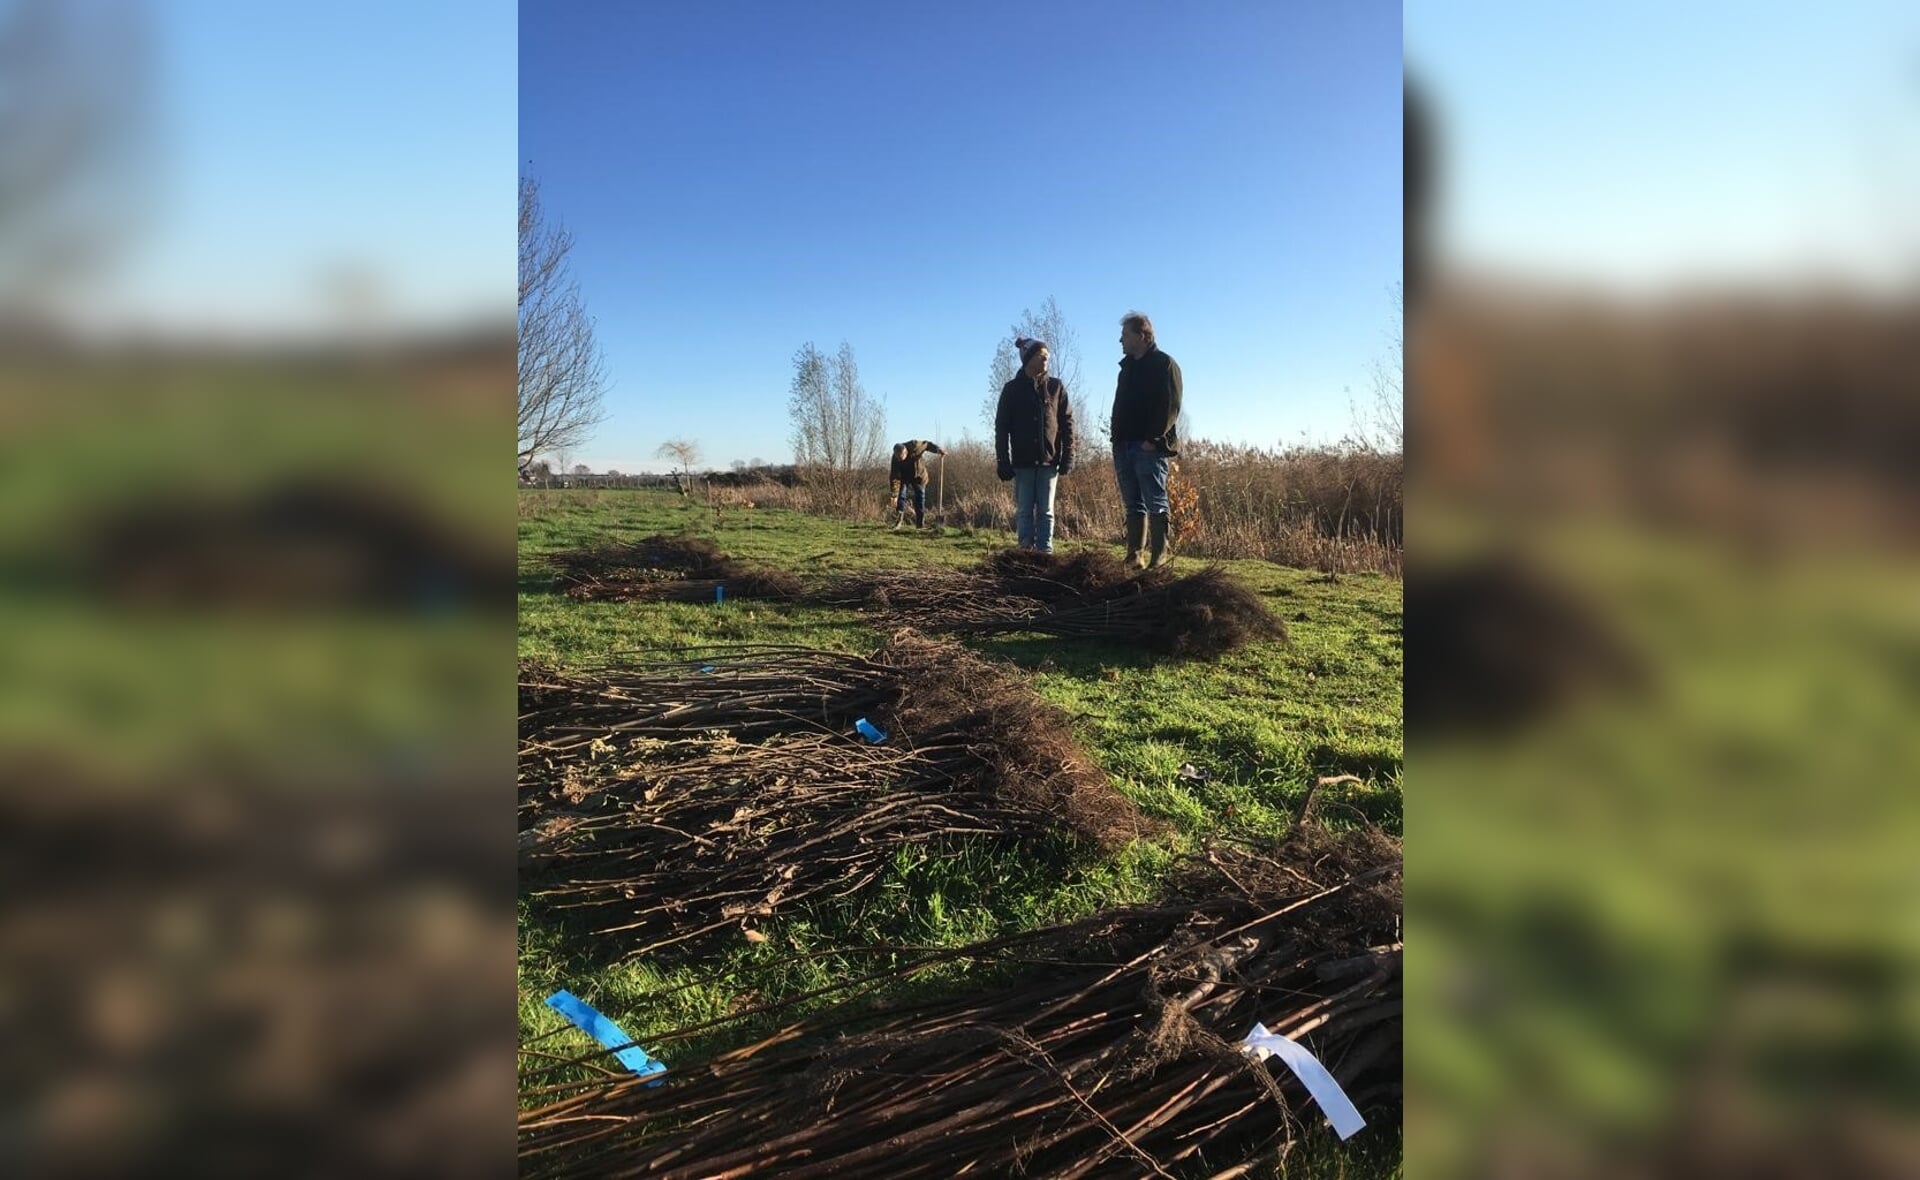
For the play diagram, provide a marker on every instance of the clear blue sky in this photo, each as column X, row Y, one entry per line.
column 742, row 178
column 1639, row 145
column 293, row 149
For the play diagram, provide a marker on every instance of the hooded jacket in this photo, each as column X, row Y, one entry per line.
column 1033, row 427
column 1146, row 401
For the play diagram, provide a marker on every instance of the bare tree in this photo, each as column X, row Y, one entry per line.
column 1050, row 325
column 810, row 406
column 838, row 428
column 561, row 378
column 865, row 438
column 684, row 452
column 78, row 126
column 1379, row 426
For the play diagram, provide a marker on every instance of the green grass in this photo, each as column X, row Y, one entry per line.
column 1225, row 748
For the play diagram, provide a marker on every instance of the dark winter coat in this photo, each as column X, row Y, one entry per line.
column 912, row 467
column 1033, row 427
column 1146, row 401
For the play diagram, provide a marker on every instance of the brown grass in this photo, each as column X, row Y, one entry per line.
column 1333, row 509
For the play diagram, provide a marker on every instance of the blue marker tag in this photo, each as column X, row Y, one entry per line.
column 590, row 1021
column 706, row 667
column 719, row 595
column 870, row 732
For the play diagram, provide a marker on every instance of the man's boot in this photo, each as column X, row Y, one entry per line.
column 1136, row 537
column 919, row 519
column 1157, row 526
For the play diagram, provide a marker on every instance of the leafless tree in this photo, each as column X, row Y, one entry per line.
column 79, row 160
column 684, row 452
column 810, row 407
column 1050, row 325
column 561, row 378
column 865, row 437
column 838, row 429
column 1378, row 426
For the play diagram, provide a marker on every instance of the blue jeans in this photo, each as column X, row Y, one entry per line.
column 919, row 494
column 1143, row 478
column 1033, row 506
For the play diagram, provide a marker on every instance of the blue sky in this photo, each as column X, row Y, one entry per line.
column 294, row 146
column 1641, row 146
column 742, row 178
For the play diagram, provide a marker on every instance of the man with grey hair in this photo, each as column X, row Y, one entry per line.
column 1146, row 406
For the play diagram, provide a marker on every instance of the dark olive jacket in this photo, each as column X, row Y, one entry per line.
column 1033, row 427
column 912, row 467
column 1146, row 401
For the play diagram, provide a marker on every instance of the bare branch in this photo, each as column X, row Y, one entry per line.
column 561, row 377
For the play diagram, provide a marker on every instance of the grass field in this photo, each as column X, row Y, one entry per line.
column 1226, row 748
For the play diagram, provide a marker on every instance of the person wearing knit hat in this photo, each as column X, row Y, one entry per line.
column 1033, row 442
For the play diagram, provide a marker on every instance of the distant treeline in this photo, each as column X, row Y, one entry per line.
column 786, row 476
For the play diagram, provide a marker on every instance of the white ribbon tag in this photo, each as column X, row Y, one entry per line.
column 1326, row 1091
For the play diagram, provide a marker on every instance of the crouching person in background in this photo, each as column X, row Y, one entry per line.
column 907, row 479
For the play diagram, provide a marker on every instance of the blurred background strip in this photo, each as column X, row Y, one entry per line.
column 1663, row 613
column 256, row 713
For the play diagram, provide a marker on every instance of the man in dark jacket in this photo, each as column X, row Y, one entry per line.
column 1033, row 441
column 1146, row 406
column 908, row 478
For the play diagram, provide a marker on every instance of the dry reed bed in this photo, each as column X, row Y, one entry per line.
column 1107, row 1047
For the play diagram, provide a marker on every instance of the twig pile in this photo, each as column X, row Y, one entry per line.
column 928, row 599
column 1112, row 1053
column 1009, row 585
column 1201, row 616
column 676, row 802
column 663, row 568
column 684, row 555
column 1053, row 577
column 1084, row 595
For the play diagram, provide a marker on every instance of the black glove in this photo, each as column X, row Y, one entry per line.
column 1066, row 465
column 1006, row 471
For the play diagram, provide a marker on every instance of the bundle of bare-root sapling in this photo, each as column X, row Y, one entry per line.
column 1111, row 1047
column 671, row 803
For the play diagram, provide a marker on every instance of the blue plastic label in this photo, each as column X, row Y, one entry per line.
column 591, row 1022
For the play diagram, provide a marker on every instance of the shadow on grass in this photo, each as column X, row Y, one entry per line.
column 1081, row 659
column 1374, row 766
